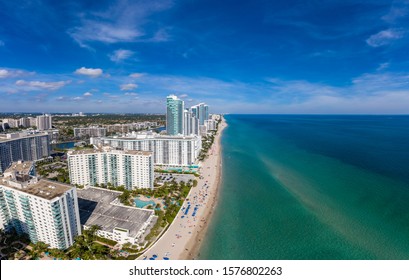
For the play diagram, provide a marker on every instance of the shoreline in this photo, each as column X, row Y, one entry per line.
column 196, row 242
column 183, row 238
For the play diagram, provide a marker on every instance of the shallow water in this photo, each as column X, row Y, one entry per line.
column 312, row 187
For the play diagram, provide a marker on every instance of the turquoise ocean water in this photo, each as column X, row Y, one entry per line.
column 312, row 187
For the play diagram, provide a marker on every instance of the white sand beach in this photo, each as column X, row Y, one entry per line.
column 183, row 237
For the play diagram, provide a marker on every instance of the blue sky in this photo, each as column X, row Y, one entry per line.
column 238, row 56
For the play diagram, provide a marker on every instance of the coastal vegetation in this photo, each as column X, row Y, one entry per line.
column 157, row 170
column 12, row 245
column 87, row 247
column 207, row 142
column 65, row 124
column 107, row 119
column 171, row 194
column 55, row 169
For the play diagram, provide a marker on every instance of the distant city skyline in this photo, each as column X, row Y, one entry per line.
column 280, row 57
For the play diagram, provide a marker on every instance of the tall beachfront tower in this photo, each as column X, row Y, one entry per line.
column 45, row 210
column 201, row 112
column 174, row 115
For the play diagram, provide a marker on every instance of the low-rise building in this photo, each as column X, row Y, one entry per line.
column 120, row 223
column 92, row 131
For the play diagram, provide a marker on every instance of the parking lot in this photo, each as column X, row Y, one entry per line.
column 167, row 177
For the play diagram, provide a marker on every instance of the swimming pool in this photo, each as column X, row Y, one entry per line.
column 142, row 203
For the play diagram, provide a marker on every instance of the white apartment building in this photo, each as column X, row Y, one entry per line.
column 44, row 122
column 45, row 210
column 215, row 117
column 128, row 127
column 200, row 111
column 132, row 169
column 210, row 124
column 10, row 123
column 24, row 122
column 190, row 123
column 167, row 150
column 32, row 121
column 92, row 131
column 23, row 146
column 202, row 130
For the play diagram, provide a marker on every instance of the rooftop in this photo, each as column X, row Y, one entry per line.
column 150, row 136
column 109, row 149
column 22, row 167
column 96, row 209
column 19, row 135
column 44, row 188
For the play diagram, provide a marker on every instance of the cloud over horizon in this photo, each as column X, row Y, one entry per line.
column 256, row 57
column 37, row 85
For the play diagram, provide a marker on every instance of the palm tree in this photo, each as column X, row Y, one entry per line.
column 57, row 253
column 33, row 254
column 41, row 247
column 91, row 233
column 99, row 251
column 79, row 248
column 2, row 234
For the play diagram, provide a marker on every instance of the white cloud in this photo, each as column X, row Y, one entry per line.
column 136, row 75
column 373, row 84
column 183, row 96
column 128, row 86
column 106, row 94
column 385, row 37
column 122, row 22
column 11, row 73
column 37, row 85
column 4, row 73
column 384, row 103
column 131, row 94
column 87, row 94
column 379, row 93
column 104, row 32
column 78, row 98
column 120, row 55
column 91, row 72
